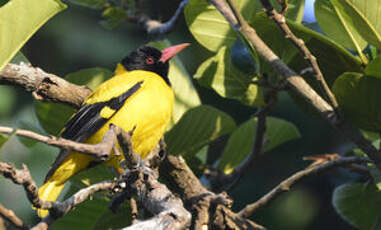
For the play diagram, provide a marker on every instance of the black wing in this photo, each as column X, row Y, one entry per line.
column 88, row 120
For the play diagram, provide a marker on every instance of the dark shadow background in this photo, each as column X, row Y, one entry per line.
column 74, row 40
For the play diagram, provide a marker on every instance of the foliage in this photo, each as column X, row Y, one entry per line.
column 347, row 54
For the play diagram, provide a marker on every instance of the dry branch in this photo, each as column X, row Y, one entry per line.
column 44, row 86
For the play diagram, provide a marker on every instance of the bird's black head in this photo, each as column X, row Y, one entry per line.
column 151, row 59
column 146, row 58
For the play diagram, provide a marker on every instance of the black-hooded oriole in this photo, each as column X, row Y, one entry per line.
column 139, row 95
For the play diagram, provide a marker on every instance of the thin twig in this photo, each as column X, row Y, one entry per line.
column 285, row 185
column 100, row 151
column 11, row 217
column 24, row 178
column 280, row 20
column 59, row 209
column 154, row 27
column 44, row 86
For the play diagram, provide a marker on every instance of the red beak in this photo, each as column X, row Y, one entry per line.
column 169, row 52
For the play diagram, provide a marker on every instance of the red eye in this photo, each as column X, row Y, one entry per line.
column 149, row 60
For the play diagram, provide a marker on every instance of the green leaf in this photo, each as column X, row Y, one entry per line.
column 19, row 57
column 209, row 27
column 219, row 74
column 186, row 96
column 374, row 67
column 84, row 216
column 19, row 20
column 338, row 25
column 358, row 204
column 119, row 220
column 113, row 17
column 53, row 116
column 95, row 4
column 3, row 139
column 365, row 16
column 241, row 141
column 358, row 96
column 198, row 127
column 91, row 77
column 91, row 176
column 279, row 131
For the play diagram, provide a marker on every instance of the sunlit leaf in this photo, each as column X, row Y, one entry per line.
column 338, row 25
column 359, row 204
column 241, row 142
column 365, row 16
column 209, row 27
column 197, row 128
column 19, row 20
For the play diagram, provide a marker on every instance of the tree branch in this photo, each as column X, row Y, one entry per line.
column 23, row 177
column 44, row 86
column 280, row 20
column 59, row 209
column 285, row 185
column 100, row 151
column 297, row 83
column 11, row 217
column 209, row 210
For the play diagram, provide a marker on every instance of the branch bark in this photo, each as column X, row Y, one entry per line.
column 11, row 217
column 44, row 86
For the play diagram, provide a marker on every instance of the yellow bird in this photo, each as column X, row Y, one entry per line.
column 138, row 95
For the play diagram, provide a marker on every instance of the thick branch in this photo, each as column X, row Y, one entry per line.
column 297, row 83
column 44, row 86
column 285, row 185
column 208, row 209
column 167, row 210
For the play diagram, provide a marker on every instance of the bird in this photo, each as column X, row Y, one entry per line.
column 139, row 96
